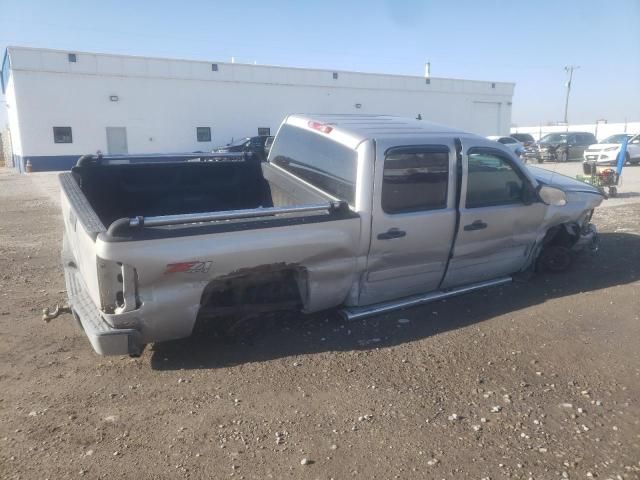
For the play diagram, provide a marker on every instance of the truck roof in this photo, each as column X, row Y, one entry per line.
column 360, row 127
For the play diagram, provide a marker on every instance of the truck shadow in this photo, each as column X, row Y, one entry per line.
column 627, row 195
column 617, row 263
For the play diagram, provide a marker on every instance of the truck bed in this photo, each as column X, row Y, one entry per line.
column 122, row 191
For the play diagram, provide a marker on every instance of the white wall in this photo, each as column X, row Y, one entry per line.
column 602, row 130
column 13, row 117
column 161, row 102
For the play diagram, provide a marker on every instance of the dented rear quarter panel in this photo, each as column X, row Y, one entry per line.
column 327, row 251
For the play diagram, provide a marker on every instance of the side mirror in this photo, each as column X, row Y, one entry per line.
column 552, row 196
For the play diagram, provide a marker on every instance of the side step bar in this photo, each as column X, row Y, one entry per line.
column 356, row 313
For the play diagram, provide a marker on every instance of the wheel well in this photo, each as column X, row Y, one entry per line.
column 563, row 235
column 260, row 289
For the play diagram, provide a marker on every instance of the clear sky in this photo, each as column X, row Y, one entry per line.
column 526, row 42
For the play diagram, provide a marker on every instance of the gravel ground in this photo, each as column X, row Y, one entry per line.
column 533, row 380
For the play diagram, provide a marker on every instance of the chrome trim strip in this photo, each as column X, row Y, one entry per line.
column 227, row 215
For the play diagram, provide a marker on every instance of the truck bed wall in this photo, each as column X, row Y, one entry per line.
column 129, row 190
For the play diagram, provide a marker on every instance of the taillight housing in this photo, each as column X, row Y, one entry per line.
column 321, row 127
column 118, row 287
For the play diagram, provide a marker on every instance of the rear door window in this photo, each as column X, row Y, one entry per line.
column 317, row 159
column 415, row 179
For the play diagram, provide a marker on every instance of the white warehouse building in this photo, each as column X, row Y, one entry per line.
column 65, row 104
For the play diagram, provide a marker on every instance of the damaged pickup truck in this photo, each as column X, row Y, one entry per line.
column 364, row 213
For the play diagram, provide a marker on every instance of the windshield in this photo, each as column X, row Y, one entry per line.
column 523, row 137
column 554, row 138
column 237, row 143
column 615, row 138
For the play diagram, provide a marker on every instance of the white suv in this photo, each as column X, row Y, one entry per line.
column 606, row 151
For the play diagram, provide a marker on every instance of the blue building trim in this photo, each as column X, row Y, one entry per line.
column 45, row 163
column 59, row 163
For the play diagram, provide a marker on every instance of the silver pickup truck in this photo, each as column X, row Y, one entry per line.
column 361, row 212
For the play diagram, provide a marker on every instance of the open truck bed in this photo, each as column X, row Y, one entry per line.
column 137, row 233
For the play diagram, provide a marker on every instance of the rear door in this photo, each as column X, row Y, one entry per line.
column 582, row 141
column 413, row 220
column 499, row 223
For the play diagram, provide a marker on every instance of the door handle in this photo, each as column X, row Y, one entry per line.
column 392, row 233
column 477, row 225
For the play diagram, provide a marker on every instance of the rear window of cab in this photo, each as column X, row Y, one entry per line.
column 317, row 159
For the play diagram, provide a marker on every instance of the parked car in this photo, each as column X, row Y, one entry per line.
column 511, row 143
column 254, row 145
column 606, row 151
column 525, row 138
column 341, row 215
column 561, row 147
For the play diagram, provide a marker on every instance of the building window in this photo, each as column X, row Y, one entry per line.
column 335, row 75
column 493, row 85
column 415, row 179
column 203, row 134
column 264, row 131
column 427, row 81
column 214, row 67
column 72, row 58
column 62, row 135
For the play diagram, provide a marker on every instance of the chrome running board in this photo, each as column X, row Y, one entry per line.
column 356, row 313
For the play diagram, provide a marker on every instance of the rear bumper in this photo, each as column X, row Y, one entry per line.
column 104, row 339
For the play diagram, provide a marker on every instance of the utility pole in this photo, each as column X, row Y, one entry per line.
column 569, row 69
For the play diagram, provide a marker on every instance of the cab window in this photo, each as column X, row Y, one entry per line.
column 317, row 159
column 415, row 179
column 492, row 181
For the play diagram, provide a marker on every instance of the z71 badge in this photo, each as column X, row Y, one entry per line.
column 188, row 267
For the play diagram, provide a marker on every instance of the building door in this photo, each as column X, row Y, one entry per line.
column 117, row 141
column 486, row 118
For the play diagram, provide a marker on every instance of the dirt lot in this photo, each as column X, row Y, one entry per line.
column 534, row 380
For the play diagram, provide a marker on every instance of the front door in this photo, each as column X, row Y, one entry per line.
column 499, row 219
column 117, row 141
column 413, row 220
